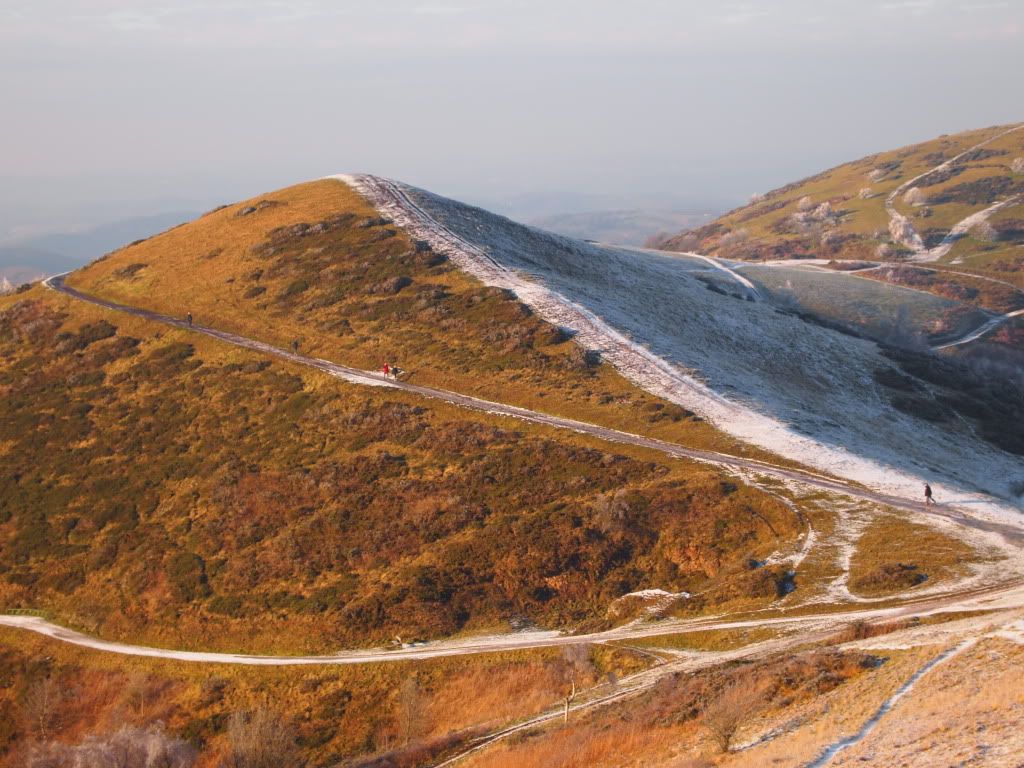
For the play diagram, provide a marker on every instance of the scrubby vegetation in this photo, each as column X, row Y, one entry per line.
column 61, row 707
column 226, row 497
column 889, row 578
column 970, row 290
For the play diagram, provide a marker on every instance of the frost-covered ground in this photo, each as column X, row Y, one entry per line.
column 768, row 378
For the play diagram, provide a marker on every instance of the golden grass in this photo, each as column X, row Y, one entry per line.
column 287, row 631
column 868, row 217
column 892, row 539
column 708, row 640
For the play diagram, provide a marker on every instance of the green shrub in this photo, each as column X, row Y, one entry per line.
column 187, row 574
column 227, row 605
column 294, row 288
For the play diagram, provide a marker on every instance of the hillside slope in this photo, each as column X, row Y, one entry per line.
column 211, row 488
column 954, row 204
column 315, row 264
column 163, row 486
column 729, row 357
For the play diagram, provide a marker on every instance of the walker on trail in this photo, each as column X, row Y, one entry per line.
column 188, row 319
column 387, row 370
column 928, row 495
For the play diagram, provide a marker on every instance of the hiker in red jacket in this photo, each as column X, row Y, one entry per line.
column 387, row 370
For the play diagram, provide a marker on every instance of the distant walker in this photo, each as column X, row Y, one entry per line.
column 928, row 495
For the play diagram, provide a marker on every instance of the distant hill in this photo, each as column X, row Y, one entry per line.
column 624, row 227
column 952, row 204
column 50, row 254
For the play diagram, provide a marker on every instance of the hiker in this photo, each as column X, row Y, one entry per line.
column 395, row 370
column 188, row 319
column 928, row 495
column 387, row 370
column 295, row 345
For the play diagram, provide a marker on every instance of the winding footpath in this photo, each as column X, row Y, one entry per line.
column 812, row 626
column 1005, row 596
column 981, row 330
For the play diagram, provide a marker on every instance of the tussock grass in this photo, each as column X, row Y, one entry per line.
column 929, row 555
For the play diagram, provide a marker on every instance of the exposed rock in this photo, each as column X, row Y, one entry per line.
column 394, row 285
column 915, row 196
column 259, row 206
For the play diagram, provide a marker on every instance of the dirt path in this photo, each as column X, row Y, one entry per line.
column 973, row 335
column 960, row 230
column 1005, row 596
column 974, row 599
column 980, row 331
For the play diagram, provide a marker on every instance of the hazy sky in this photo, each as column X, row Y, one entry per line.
column 116, row 108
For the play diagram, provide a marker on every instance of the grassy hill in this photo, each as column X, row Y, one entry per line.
column 841, row 215
column 316, row 264
column 165, row 487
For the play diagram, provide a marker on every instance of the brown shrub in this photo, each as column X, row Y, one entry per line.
column 725, row 714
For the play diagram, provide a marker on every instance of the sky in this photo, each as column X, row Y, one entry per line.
column 113, row 109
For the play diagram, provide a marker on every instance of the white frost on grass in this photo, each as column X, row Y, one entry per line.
column 850, row 522
column 654, row 600
column 770, row 379
column 1014, row 632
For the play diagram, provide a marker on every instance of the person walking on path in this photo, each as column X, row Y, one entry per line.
column 928, row 495
column 387, row 370
column 188, row 319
